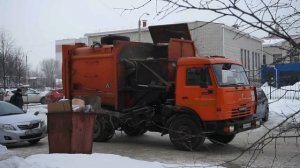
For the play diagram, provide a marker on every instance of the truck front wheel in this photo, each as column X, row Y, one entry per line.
column 221, row 139
column 103, row 130
column 185, row 133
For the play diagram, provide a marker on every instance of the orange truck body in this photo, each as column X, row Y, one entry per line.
column 129, row 76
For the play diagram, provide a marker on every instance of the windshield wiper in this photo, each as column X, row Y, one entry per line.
column 234, row 84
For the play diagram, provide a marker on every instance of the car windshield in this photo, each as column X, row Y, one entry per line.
column 230, row 75
column 9, row 109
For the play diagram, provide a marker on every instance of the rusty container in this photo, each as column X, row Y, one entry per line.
column 70, row 132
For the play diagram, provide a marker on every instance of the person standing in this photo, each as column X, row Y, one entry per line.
column 17, row 99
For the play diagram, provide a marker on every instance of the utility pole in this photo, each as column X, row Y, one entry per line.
column 26, row 72
column 4, row 69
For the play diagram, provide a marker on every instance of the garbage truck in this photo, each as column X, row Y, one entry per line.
column 162, row 87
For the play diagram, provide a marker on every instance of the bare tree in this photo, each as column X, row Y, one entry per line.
column 50, row 68
column 38, row 79
column 6, row 47
column 280, row 18
column 19, row 65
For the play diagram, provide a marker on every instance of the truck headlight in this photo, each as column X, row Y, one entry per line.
column 7, row 127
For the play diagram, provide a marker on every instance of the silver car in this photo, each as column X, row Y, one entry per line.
column 262, row 107
column 17, row 126
column 30, row 96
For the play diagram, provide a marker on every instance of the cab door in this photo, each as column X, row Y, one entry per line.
column 195, row 90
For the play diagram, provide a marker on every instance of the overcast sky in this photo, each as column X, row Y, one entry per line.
column 36, row 24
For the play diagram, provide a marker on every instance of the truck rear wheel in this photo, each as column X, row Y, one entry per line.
column 103, row 130
column 221, row 139
column 185, row 133
column 134, row 131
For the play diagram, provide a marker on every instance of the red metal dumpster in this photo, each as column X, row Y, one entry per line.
column 70, row 132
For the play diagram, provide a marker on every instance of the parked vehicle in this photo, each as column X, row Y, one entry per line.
column 17, row 126
column 54, row 95
column 162, row 87
column 262, row 108
column 29, row 96
column 2, row 92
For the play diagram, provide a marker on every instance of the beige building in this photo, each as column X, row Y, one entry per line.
column 277, row 50
column 211, row 39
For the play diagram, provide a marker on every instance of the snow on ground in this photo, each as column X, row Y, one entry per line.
column 285, row 92
column 95, row 160
column 281, row 109
column 3, row 150
column 284, row 103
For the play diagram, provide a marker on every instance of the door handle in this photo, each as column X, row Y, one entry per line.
column 185, row 97
column 208, row 92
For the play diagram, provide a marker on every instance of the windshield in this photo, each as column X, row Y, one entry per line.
column 9, row 109
column 230, row 75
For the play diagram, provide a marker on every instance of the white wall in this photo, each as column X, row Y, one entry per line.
column 208, row 38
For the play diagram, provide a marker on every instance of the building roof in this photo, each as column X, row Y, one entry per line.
column 276, row 41
column 115, row 32
column 146, row 29
column 268, row 42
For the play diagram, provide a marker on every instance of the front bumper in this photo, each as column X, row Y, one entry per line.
column 232, row 126
column 9, row 136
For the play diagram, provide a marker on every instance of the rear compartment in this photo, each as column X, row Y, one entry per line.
column 125, row 74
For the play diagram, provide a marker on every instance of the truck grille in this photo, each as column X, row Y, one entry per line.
column 241, row 112
column 30, row 126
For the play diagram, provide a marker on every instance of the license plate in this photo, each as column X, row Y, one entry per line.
column 30, row 132
column 248, row 125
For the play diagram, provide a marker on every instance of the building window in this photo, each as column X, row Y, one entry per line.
column 296, row 59
column 277, row 58
column 242, row 59
column 245, row 56
column 253, row 60
column 264, row 59
column 258, row 60
column 248, row 56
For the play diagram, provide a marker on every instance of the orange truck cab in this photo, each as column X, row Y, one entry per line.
column 161, row 87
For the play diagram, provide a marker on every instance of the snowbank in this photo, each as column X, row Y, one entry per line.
column 95, row 160
column 285, row 92
column 3, row 150
column 284, row 102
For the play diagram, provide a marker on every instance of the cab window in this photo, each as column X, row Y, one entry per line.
column 197, row 77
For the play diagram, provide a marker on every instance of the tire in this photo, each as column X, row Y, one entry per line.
column 221, row 139
column 43, row 100
column 134, row 131
column 185, row 133
column 266, row 118
column 111, row 38
column 103, row 130
column 35, row 141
